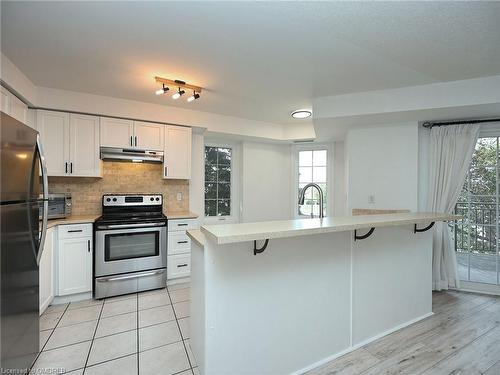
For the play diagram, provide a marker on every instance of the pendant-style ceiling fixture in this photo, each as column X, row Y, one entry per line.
column 180, row 85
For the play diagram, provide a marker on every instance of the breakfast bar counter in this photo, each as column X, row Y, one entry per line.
column 283, row 297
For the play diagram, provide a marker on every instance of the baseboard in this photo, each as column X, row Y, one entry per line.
column 44, row 306
column 359, row 345
column 180, row 280
column 72, row 298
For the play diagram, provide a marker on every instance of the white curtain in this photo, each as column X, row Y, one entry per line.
column 450, row 154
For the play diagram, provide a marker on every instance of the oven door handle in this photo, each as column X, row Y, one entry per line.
column 118, row 226
column 127, row 277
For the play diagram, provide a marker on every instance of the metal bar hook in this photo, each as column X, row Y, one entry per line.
column 368, row 234
column 416, row 230
column 261, row 250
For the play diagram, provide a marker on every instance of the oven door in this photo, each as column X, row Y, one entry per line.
column 122, row 249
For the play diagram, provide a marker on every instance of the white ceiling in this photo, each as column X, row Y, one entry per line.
column 257, row 60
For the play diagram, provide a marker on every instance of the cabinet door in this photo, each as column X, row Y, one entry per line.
column 117, row 132
column 46, row 272
column 18, row 109
column 177, row 159
column 148, row 136
column 54, row 134
column 84, row 146
column 75, row 265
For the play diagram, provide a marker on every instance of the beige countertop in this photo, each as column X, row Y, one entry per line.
column 80, row 219
column 181, row 215
column 76, row 219
column 231, row 233
column 197, row 236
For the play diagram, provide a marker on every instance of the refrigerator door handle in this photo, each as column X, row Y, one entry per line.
column 45, row 188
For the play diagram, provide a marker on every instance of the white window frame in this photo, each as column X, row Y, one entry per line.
column 235, row 184
column 295, row 175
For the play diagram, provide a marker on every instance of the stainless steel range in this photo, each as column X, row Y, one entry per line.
column 130, row 245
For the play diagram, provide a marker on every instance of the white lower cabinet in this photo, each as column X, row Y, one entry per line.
column 46, row 272
column 179, row 248
column 74, row 259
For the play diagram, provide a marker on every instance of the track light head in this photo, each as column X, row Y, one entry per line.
column 193, row 97
column 178, row 94
column 162, row 91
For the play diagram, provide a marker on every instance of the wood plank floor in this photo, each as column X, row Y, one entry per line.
column 462, row 337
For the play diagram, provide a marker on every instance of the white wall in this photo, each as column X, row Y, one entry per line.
column 265, row 182
column 196, row 184
column 338, row 180
column 383, row 161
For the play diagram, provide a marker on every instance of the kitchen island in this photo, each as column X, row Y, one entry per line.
column 283, row 297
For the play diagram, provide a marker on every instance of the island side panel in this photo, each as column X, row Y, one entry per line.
column 280, row 311
column 197, row 304
column 392, row 280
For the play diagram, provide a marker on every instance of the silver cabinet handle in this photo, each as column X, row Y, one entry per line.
column 182, row 242
column 88, row 246
column 131, row 141
column 136, row 141
column 128, row 277
column 75, row 230
column 182, row 225
column 182, row 265
column 45, row 186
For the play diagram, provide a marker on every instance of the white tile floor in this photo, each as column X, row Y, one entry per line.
column 137, row 334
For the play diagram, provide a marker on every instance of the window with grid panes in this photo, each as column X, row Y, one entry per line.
column 312, row 167
column 218, row 181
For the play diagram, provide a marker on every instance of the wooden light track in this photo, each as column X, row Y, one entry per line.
column 170, row 83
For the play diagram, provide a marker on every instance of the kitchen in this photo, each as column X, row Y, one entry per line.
column 179, row 201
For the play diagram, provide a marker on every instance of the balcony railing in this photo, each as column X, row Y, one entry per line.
column 476, row 239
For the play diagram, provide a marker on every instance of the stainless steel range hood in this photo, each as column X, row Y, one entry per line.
column 128, row 154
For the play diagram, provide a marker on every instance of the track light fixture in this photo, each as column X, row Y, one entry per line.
column 178, row 94
column 193, row 97
column 162, row 90
column 181, row 88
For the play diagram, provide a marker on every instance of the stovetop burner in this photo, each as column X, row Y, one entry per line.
column 131, row 208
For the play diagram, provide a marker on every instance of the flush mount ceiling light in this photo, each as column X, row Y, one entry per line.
column 181, row 88
column 302, row 113
column 193, row 97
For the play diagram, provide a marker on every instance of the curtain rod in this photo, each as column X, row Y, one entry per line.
column 430, row 124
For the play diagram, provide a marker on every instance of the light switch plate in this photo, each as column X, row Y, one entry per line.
column 179, row 196
column 371, row 199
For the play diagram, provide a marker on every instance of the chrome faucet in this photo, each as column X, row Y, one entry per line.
column 302, row 195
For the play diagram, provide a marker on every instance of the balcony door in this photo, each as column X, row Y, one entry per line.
column 477, row 236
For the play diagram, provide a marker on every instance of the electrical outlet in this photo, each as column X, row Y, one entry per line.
column 371, row 199
column 179, row 196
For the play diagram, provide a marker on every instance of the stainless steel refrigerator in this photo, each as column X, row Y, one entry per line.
column 22, row 240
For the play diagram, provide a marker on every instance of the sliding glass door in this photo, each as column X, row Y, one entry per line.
column 477, row 236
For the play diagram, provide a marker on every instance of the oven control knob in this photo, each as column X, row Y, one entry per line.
column 108, row 199
column 114, row 199
column 151, row 199
column 157, row 199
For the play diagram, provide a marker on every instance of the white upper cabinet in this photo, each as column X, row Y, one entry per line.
column 177, row 158
column 148, row 135
column 84, row 146
column 5, row 100
column 131, row 134
column 117, row 132
column 13, row 106
column 70, row 143
column 54, row 134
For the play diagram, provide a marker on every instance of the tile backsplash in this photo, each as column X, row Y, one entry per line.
column 121, row 177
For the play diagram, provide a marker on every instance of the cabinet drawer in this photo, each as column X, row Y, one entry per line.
column 175, row 225
column 178, row 266
column 75, row 230
column 178, row 243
